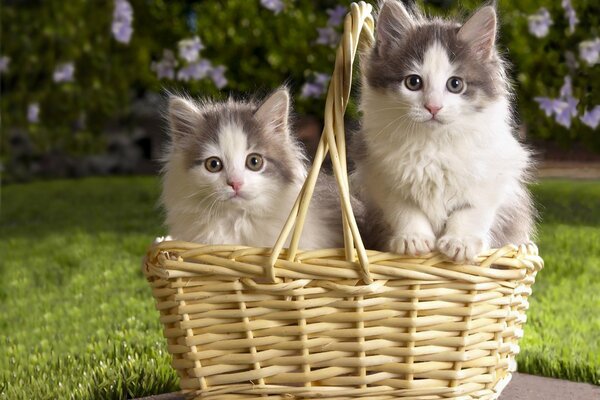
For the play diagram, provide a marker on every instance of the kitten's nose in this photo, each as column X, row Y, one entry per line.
column 433, row 108
column 235, row 185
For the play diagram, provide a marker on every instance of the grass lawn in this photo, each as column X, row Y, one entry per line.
column 78, row 319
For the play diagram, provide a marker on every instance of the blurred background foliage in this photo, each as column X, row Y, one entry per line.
column 260, row 43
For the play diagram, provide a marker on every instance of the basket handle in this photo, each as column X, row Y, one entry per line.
column 358, row 20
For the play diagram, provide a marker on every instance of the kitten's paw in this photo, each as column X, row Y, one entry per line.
column 412, row 244
column 461, row 249
column 160, row 239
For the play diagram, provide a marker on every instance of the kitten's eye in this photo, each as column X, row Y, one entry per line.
column 455, row 85
column 413, row 82
column 213, row 164
column 254, row 162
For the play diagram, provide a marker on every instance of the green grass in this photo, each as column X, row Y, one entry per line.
column 77, row 319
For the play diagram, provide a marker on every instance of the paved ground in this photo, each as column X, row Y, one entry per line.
column 569, row 169
column 521, row 387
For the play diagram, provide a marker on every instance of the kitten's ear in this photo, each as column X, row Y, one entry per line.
column 274, row 110
column 184, row 116
column 393, row 21
column 480, row 31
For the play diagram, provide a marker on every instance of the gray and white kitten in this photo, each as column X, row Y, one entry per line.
column 437, row 159
column 233, row 171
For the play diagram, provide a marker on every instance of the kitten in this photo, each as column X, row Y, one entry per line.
column 233, row 172
column 436, row 158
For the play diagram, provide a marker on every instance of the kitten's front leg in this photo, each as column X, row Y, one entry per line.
column 411, row 231
column 466, row 234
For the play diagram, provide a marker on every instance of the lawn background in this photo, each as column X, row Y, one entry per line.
column 78, row 319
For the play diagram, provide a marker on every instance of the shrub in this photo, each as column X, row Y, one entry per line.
column 249, row 45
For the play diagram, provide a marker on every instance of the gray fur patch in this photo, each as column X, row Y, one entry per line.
column 280, row 149
column 389, row 63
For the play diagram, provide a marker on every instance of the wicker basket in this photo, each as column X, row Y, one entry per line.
column 278, row 323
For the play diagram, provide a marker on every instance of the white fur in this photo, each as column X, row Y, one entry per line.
column 440, row 183
column 201, row 208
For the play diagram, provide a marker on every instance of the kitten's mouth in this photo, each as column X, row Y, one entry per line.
column 239, row 196
column 434, row 120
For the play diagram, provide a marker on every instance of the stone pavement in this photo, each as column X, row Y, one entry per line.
column 569, row 170
column 521, row 387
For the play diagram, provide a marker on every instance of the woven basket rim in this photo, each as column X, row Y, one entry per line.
column 500, row 263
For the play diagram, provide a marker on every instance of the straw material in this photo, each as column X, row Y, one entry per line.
column 278, row 323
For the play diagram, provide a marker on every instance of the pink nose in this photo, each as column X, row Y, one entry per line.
column 235, row 185
column 433, row 109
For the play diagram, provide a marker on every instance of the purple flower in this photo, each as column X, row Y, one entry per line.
column 539, row 23
column 566, row 90
column 317, row 87
column 564, row 108
column 322, row 79
column 328, row 36
column 165, row 68
column 336, row 15
column 33, row 113
column 564, row 112
column 194, row 71
column 546, row 105
column 122, row 28
column 217, row 74
column 276, row 6
column 589, row 51
column 570, row 14
column 64, row 72
column 592, row 118
column 4, row 63
column 189, row 49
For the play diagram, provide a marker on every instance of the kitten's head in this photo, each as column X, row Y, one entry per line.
column 234, row 153
column 434, row 71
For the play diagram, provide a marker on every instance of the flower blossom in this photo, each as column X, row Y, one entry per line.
column 276, row 6
column 4, row 63
column 570, row 14
column 165, row 68
column 317, row 87
column 217, row 74
column 64, row 72
column 564, row 108
column 589, row 51
column 194, row 71
column 122, row 28
column 539, row 23
column 189, row 49
column 328, row 36
column 33, row 113
column 592, row 117
column 336, row 15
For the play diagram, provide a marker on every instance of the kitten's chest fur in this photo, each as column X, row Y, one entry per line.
column 226, row 225
column 427, row 173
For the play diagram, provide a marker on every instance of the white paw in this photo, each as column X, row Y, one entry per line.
column 461, row 249
column 160, row 239
column 413, row 244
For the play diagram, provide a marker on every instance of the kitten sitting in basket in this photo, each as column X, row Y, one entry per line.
column 233, row 172
column 437, row 162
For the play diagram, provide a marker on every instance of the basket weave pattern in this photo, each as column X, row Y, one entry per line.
column 279, row 323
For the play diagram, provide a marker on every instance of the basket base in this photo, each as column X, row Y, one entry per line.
column 273, row 392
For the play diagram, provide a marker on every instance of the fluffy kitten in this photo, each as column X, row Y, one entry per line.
column 437, row 159
column 232, row 174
